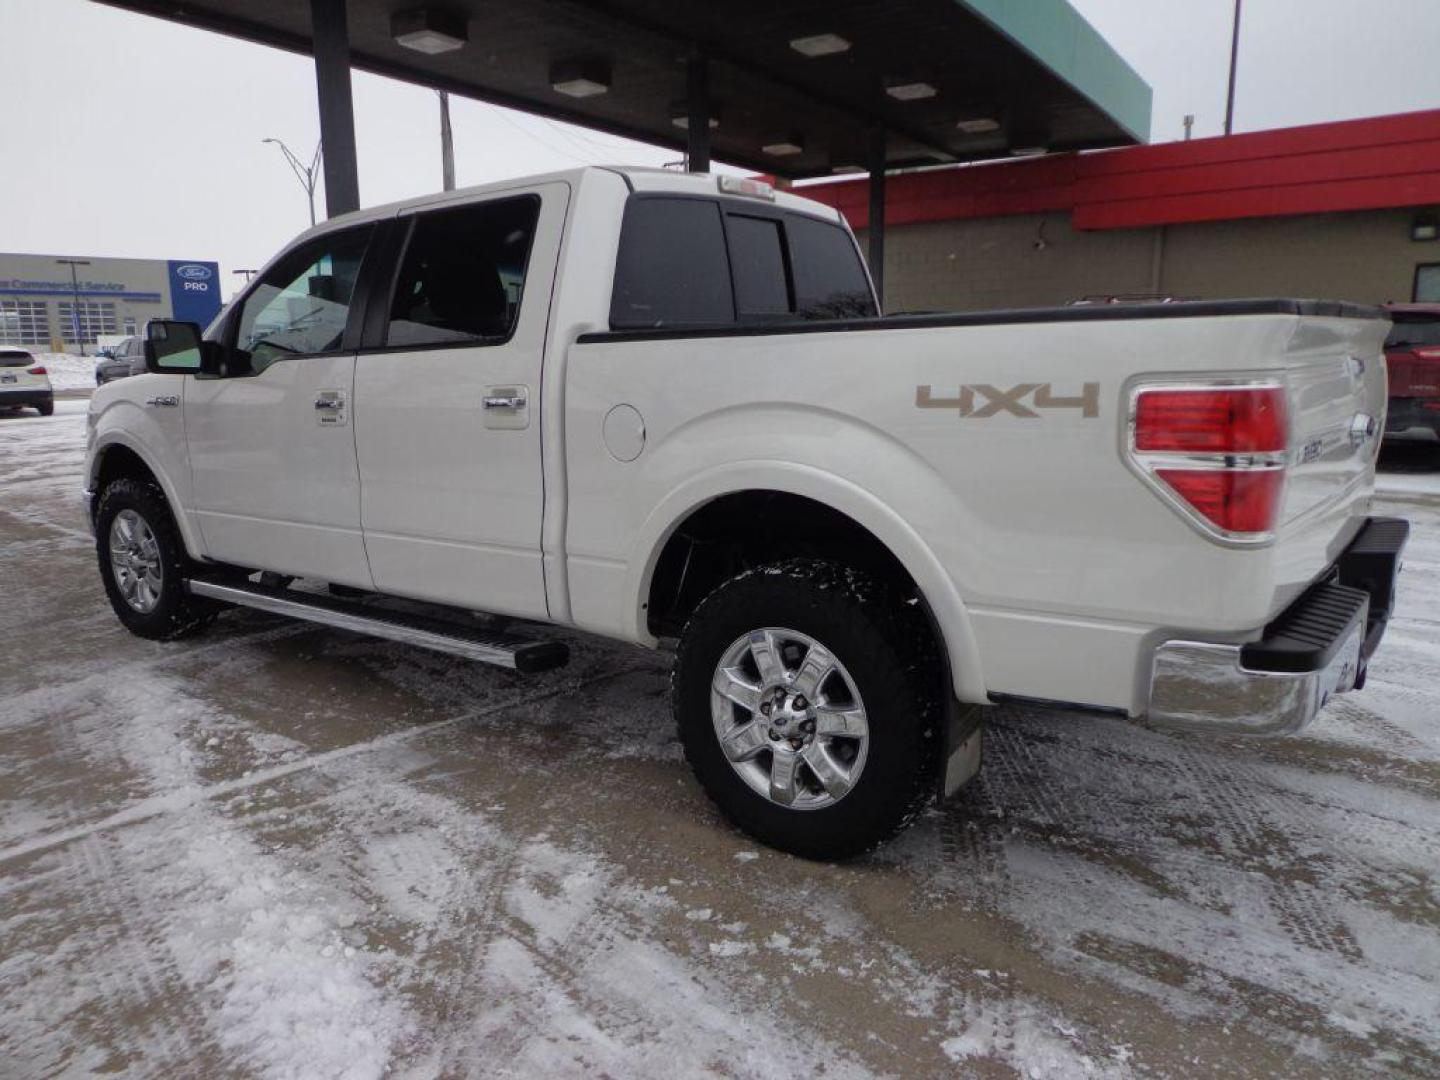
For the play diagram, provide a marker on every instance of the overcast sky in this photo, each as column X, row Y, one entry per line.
column 130, row 136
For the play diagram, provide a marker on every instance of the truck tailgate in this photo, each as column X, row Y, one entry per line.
column 1335, row 376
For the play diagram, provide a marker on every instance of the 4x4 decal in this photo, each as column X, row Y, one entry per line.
column 1011, row 402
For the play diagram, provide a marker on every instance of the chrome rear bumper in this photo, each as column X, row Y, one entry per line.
column 1316, row 648
column 1196, row 686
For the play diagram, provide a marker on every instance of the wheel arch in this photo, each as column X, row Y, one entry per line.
column 863, row 519
column 116, row 457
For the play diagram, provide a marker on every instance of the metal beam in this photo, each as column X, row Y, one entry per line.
column 697, row 107
column 331, row 35
column 877, row 213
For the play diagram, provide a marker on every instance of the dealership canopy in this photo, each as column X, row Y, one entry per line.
column 794, row 88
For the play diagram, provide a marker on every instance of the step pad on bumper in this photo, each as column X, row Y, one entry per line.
column 524, row 655
column 1310, row 631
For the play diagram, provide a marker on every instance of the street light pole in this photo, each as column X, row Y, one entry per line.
column 306, row 174
column 1234, row 59
column 75, row 304
column 447, row 144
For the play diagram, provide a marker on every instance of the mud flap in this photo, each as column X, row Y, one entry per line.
column 964, row 731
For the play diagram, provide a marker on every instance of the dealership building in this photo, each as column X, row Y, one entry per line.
column 57, row 303
column 1347, row 210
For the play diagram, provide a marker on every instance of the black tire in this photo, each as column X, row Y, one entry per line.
column 177, row 614
column 890, row 654
column 47, row 409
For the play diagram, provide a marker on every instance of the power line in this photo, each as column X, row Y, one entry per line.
column 548, row 145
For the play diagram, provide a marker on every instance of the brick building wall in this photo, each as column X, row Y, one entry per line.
column 1029, row 260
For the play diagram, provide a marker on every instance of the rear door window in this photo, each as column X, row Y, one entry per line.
column 672, row 269
column 830, row 280
column 757, row 259
column 463, row 274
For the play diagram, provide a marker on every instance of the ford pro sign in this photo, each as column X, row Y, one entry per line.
column 195, row 291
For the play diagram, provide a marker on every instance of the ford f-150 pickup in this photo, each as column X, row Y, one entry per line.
column 660, row 407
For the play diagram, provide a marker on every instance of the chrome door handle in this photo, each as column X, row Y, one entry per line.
column 504, row 401
column 333, row 404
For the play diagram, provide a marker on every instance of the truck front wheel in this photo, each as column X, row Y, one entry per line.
column 808, row 698
column 142, row 562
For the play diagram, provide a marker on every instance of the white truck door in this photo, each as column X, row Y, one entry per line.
column 447, row 405
column 272, row 441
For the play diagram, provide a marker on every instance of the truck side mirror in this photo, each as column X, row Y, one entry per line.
column 176, row 348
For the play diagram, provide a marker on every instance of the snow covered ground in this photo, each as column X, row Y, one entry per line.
column 69, row 372
column 289, row 852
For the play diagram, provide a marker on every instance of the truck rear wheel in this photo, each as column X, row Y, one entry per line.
column 808, row 699
column 143, row 562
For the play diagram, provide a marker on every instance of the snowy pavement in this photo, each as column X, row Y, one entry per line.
column 291, row 852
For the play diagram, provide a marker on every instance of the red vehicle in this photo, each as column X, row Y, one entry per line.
column 1412, row 356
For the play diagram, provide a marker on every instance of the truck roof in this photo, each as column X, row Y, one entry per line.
column 637, row 178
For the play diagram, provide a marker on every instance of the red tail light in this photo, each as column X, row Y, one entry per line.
column 1217, row 453
column 1237, row 501
column 1222, row 421
column 38, row 369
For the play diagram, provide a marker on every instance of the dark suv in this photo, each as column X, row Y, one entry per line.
column 128, row 359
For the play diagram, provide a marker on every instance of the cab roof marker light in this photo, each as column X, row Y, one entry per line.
column 820, row 45
column 747, row 186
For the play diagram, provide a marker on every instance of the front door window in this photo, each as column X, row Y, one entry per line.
column 300, row 307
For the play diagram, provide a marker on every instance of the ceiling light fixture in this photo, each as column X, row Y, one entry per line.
column 680, row 117
column 913, row 90
column 580, row 78
column 819, row 45
column 429, row 31
column 784, row 145
column 979, row 125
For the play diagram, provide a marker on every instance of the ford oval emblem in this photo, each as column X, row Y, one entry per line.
column 194, row 272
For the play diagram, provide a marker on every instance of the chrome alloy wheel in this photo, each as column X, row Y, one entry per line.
column 789, row 718
column 135, row 561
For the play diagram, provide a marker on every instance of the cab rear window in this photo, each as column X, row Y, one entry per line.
column 687, row 262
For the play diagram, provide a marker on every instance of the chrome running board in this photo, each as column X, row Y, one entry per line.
column 518, row 654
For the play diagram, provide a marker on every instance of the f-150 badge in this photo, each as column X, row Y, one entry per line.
column 978, row 401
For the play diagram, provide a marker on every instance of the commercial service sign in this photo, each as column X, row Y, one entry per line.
column 195, row 291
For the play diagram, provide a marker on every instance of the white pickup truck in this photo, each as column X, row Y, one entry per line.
column 656, row 406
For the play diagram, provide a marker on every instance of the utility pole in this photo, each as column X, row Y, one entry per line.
column 306, row 174
column 447, row 144
column 75, row 307
column 1234, row 59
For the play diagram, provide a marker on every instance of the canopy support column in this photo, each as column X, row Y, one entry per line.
column 877, row 213
column 697, row 106
column 331, row 36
